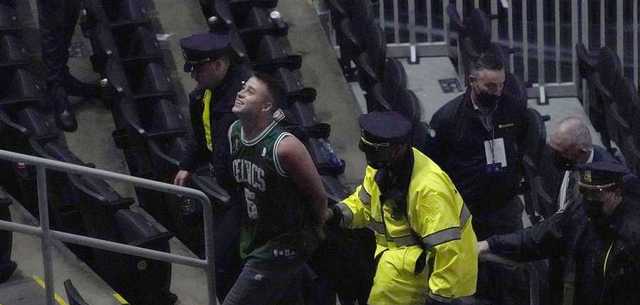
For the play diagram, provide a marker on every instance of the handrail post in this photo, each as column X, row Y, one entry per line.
column 210, row 270
column 43, row 210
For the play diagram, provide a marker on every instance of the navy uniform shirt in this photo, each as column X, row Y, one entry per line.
column 221, row 118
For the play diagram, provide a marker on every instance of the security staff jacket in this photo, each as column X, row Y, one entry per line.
column 429, row 220
column 601, row 265
column 220, row 117
column 459, row 148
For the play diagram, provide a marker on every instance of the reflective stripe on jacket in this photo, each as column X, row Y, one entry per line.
column 438, row 221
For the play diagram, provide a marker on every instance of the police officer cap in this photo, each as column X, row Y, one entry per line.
column 601, row 175
column 204, row 47
column 385, row 127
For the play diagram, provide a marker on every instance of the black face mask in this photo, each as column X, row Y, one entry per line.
column 593, row 208
column 563, row 163
column 377, row 157
column 487, row 100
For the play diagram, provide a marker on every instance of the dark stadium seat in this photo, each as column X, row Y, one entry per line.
column 370, row 63
column 602, row 70
column 383, row 94
column 395, row 80
column 535, row 144
column 339, row 9
column 361, row 15
column 8, row 18
column 616, row 114
column 408, row 105
column 294, row 89
column 259, row 23
column 271, row 55
column 478, row 30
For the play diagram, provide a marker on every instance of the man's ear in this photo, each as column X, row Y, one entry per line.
column 268, row 106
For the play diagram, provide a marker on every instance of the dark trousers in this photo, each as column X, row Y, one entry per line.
column 227, row 252
column 501, row 284
column 57, row 20
column 6, row 266
column 258, row 286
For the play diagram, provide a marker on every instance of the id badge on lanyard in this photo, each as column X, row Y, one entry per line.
column 495, row 155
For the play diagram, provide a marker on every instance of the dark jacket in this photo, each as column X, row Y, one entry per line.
column 584, row 249
column 221, row 118
column 458, row 147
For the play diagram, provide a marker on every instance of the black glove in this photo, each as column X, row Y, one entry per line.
column 336, row 217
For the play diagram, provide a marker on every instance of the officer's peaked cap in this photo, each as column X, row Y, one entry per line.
column 601, row 174
column 385, row 127
column 205, row 46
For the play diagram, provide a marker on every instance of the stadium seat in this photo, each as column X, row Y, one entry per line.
column 271, row 55
column 395, row 80
column 408, row 105
column 294, row 89
column 370, row 63
column 8, row 20
column 602, row 70
column 259, row 23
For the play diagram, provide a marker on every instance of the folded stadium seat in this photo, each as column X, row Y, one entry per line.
column 474, row 35
column 137, row 45
column 350, row 47
column 361, row 16
column 370, row 63
column 7, row 268
column 624, row 115
column 408, row 105
column 546, row 185
column 222, row 10
column 271, row 55
column 617, row 125
column 125, row 14
column 608, row 74
column 260, row 22
column 151, row 282
column 12, row 52
column 245, row 5
column 22, row 89
column 293, row 87
column 383, row 94
column 8, row 18
column 74, row 297
column 535, row 144
column 338, row 9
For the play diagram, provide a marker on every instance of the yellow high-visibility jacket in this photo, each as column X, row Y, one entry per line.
column 438, row 222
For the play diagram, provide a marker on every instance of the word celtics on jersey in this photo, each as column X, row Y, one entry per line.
column 254, row 161
column 273, row 205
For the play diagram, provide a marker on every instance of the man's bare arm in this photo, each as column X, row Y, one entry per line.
column 297, row 162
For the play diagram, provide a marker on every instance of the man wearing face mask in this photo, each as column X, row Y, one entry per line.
column 598, row 239
column 423, row 230
column 479, row 139
column 570, row 144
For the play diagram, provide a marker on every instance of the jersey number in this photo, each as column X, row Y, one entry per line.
column 252, row 209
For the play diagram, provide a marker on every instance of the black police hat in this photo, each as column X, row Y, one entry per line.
column 602, row 175
column 385, row 127
column 204, row 47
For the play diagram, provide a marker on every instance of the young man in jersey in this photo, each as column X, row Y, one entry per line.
column 284, row 199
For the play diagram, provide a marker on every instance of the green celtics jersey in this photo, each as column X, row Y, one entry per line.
column 277, row 217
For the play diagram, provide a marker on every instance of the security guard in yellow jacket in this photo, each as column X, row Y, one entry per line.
column 426, row 247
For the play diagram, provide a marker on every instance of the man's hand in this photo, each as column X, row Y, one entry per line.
column 182, row 177
column 483, row 247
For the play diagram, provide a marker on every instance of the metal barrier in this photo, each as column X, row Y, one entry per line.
column 47, row 235
column 543, row 35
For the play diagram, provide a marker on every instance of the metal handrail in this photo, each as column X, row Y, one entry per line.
column 47, row 235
